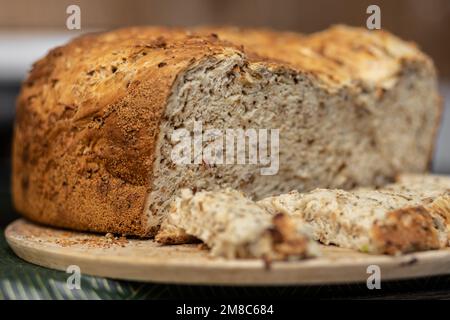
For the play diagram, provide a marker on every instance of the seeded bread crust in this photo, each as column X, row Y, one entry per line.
column 89, row 113
column 87, row 122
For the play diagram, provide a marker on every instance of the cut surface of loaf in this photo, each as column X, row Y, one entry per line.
column 234, row 226
column 95, row 118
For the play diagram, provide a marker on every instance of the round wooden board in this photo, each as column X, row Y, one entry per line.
column 145, row 260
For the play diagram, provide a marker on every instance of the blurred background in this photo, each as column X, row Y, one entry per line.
column 29, row 28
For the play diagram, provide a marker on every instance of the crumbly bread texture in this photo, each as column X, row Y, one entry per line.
column 92, row 138
column 399, row 218
column 410, row 215
column 234, row 226
column 427, row 181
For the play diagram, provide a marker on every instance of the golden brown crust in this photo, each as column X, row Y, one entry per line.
column 286, row 240
column 87, row 122
column 171, row 235
column 88, row 115
column 338, row 56
column 406, row 230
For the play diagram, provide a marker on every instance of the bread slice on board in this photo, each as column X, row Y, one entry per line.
column 410, row 215
column 233, row 226
column 95, row 118
column 398, row 218
column 371, row 221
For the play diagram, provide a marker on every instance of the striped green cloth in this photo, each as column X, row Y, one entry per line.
column 22, row 280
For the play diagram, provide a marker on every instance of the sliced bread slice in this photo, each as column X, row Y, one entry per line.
column 396, row 219
column 233, row 226
column 411, row 215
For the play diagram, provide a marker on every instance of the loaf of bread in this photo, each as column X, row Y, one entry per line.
column 234, row 226
column 95, row 118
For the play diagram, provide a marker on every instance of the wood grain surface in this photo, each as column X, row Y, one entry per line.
column 145, row 260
